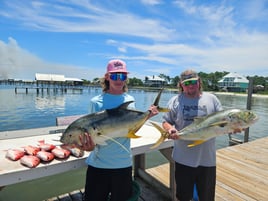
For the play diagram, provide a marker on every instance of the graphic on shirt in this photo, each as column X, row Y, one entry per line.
column 192, row 111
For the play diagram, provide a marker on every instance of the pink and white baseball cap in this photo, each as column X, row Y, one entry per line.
column 117, row 66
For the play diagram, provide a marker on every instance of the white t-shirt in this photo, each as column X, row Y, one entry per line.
column 182, row 112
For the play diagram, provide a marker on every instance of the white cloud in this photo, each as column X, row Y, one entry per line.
column 207, row 36
column 151, row 2
column 18, row 63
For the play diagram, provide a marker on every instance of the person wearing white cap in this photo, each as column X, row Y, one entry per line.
column 195, row 165
column 109, row 172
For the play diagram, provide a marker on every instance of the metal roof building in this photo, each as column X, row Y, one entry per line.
column 154, row 81
column 49, row 77
column 234, row 82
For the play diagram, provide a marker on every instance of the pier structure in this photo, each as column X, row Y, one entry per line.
column 50, row 88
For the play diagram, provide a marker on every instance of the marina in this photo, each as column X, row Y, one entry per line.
column 33, row 116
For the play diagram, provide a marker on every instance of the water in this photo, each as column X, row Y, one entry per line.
column 23, row 111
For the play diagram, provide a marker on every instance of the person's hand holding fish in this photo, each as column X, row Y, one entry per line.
column 87, row 143
column 173, row 133
column 153, row 111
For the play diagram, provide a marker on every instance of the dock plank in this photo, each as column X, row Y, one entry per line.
column 161, row 173
column 242, row 171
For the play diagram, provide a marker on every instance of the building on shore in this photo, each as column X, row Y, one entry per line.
column 233, row 82
column 50, row 79
column 154, row 81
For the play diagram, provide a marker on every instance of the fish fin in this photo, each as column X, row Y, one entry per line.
column 163, row 137
column 131, row 134
column 115, row 142
column 162, row 109
column 124, row 105
column 219, row 123
column 101, row 141
column 156, row 102
column 41, row 141
column 120, row 107
column 198, row 119
column 196, row 142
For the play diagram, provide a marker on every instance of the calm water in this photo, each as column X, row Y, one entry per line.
column 23, row 111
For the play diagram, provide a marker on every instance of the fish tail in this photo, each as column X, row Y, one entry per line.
column 156, row 102
column 163, row 137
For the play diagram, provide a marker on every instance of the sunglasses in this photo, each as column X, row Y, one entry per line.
column 116, row 76
column 190, row 82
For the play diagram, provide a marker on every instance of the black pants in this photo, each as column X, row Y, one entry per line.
column 203, row 177
column 102, row 183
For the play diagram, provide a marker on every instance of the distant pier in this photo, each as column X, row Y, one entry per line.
column 49, row 89
column 45, row 86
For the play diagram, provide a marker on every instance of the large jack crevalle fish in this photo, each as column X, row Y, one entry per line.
column 108, row 124
column 213, row 125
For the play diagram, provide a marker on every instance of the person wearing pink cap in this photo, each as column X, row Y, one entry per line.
column 194, row 166
column 109, row 172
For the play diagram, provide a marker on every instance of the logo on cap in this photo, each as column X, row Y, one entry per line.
column 118, row 65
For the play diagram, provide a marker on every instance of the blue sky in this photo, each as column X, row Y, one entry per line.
column 77, row 38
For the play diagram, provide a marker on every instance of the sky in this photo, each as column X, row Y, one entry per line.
column 77, row 38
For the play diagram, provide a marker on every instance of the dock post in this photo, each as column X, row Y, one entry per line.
column 233, row 141
column 139, row 163
column 249, row 100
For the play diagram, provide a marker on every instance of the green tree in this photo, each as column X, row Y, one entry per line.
column 175, row 81
column 135, row 82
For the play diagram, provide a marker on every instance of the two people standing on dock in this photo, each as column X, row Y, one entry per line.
column 195, row 165
column 109, row 172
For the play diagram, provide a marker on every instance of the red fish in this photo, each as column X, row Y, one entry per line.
column 31, row 150
column 45, row 146
column 45, row 156
column 14, row 154
column 74, row 150
column 61, row 153
column 30, row 161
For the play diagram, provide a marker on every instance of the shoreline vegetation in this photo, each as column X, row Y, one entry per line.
column 213, row 92
column 240, row 94
column 259, row 95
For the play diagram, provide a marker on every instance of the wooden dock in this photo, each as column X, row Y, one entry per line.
column 242, row 173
